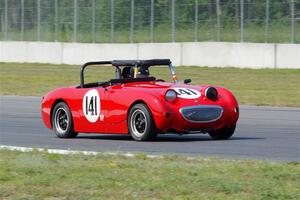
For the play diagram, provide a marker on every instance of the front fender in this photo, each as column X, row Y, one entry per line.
column 160, row 110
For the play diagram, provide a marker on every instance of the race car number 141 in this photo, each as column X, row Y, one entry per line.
column 91, row 105
column 187, row 93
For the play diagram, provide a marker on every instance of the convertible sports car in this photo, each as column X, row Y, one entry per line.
column 138, row 104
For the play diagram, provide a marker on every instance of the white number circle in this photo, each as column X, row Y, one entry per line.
column 91, row 105
column 187, row 93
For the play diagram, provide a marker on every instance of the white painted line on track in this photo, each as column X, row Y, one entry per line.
column 126, row 154
column 65, row 152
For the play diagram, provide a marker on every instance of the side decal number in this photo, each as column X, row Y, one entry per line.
column 91, row 105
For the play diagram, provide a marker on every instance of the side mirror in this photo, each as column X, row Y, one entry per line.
column 187, row 81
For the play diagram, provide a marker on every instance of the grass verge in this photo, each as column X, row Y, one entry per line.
column 274, row 87
column 40, row 175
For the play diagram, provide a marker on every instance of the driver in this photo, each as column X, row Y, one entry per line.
column 143, row 72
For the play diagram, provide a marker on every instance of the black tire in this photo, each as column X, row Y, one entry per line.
column 62, row 121
column 222, row 133
column 141, row 124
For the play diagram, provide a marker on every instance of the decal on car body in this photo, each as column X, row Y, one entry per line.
column 187, row 93
column 91, row 105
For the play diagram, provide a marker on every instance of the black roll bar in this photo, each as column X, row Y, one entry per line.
column 117, row 63
column 152, row 62
column 87, row 64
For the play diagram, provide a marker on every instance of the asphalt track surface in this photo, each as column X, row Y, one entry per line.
column 271, row 133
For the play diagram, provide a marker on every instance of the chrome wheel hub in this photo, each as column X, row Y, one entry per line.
column 138, row 123
column 61, row 120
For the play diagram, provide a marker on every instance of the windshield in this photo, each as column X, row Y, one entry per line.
column 143, row 72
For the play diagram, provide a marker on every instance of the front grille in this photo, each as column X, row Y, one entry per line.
column 201, row 113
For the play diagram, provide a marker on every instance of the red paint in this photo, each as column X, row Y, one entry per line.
column 116, row 101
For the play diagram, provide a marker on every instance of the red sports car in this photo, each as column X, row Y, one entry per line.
column 138, row 104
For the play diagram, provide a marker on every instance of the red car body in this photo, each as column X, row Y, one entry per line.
column 116, row 101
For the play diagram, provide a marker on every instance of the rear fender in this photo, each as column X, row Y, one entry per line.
column 51, row 99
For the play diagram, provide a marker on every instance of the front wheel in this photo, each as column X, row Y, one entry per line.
column 222, row 133
column 140, row 123
column 62, row 121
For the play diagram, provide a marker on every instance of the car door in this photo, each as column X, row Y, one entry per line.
column 118, row 101
column 92, row 108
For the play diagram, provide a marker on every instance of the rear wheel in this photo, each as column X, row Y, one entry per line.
column 62, row 121
column 141, row 124
column 222, row 133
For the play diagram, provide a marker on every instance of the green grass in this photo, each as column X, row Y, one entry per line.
column 37, row 175
column 275, row 87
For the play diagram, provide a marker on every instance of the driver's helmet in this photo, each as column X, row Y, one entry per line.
column 143, row 72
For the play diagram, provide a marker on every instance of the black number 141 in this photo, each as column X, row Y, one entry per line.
column 91, row 106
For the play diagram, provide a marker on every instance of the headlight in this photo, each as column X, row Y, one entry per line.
column 211, row 93
column 171, row 95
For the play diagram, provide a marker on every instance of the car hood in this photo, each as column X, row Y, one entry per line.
column 187, row 94
column 160, row 88
column 160, row 85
